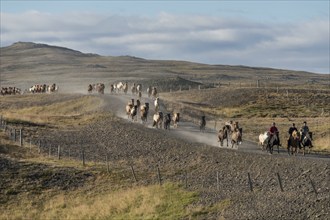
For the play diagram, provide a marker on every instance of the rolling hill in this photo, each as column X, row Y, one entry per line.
column 24, row 64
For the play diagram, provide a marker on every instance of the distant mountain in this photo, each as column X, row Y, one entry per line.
column 35, row 47
column 28, row 63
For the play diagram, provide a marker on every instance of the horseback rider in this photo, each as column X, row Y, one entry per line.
column 304, row 130
column 274, row 131
column 291, row 130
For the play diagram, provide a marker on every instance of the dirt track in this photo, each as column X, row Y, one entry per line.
column 146, row 149
column 189, row 131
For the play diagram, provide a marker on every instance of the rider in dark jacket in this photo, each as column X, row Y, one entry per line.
column 304, row 130
column 274, row 131
column 291, row 130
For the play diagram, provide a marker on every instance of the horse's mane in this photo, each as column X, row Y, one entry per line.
column 294, row 134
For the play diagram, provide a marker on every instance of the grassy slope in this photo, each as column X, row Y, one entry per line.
column 101, row 196
column 50, row 110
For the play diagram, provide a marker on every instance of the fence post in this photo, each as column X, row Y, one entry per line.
column 59, row 152
column 279, row 181
column 14, row 135
column 132, row 169
column 159, row 178
column 218, row 185
column 50, row 150
column 39, row 146
column 21, row 137
column 186, row 179
column 107, row 163
column 250, row 182
column 312, row 183
column 83, row 157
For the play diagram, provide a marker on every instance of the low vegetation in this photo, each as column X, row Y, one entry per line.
column 85, row 192
column 49, row 110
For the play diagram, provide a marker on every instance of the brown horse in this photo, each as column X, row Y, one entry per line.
column 236, row 137
column 223, row 134
column 293, row 143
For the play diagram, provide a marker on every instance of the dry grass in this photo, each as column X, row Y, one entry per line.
column 101, row 198
column 147, row 202
column 74, row 111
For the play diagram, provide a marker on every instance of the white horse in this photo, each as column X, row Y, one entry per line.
column 118, row 87
column 157, row 103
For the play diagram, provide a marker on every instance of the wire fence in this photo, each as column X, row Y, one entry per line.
column 99, row 156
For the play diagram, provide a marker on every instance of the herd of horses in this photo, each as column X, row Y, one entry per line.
column 230, row 131
column 122, row 87
column 37, row 88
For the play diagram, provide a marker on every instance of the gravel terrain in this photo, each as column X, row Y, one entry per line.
column 220, row 175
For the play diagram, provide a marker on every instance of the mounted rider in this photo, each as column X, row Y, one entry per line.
column 304, row 130
column 292, row 130
column 306, row 136
column 274, row 131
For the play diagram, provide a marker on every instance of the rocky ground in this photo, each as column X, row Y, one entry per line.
column 242, row 185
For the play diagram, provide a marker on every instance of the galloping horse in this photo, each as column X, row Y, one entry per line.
column 223, row 134
column 293, row 143
column 236, row 137
column 272, row 141
column 306, row 141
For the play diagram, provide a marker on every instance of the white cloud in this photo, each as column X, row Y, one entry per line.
column 205, row 39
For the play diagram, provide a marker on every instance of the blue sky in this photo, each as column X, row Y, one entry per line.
column 280, row 34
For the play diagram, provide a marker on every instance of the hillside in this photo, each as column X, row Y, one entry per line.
column 41, row 63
